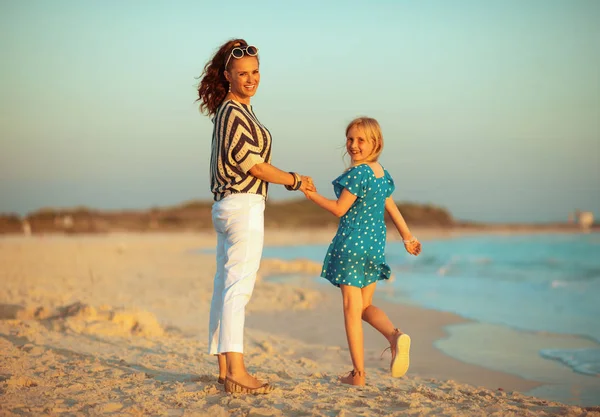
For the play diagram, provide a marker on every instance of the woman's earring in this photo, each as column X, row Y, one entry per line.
column 230, row 87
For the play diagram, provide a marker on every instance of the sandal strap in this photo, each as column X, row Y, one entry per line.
column 397, row 333
column 265, row 385
column 385, row 350
column 355, row 372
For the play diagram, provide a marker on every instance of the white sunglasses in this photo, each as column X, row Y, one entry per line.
column 239, row 51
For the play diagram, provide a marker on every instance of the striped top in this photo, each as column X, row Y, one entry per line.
column 239, row 142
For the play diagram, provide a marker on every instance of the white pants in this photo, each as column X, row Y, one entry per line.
column 238, row 220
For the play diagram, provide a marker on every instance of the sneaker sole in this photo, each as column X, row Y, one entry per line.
column 401, row 362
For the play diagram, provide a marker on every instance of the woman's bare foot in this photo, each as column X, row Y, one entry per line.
column 354, row 377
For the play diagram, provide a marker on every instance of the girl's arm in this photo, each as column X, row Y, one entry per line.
column 337, row 207
column 411, row 244
column 396, row 216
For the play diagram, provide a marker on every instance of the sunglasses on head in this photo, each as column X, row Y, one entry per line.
column 239, row 51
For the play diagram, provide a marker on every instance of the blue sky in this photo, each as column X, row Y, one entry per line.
column 488, row 108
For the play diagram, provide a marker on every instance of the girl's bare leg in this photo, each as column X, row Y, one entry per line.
column 375, row 316
column 399, row 342
column 352, row 301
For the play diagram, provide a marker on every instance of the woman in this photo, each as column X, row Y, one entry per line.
column 240, row 173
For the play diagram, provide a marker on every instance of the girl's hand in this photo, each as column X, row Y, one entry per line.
column 412, row 246
column 308, row 189
column 307, row 193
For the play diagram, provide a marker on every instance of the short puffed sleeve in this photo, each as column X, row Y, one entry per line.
column 354, row 180
column 391, row 186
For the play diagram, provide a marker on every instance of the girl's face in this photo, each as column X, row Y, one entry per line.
column 358, row 146
column 243, row 77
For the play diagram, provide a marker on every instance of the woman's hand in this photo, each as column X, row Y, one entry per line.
column 412, row 246
column 307, row 184
column 308, row 189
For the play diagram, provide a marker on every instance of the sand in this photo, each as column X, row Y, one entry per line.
column 117, row 324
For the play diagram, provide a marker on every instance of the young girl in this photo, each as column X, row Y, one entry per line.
column 355, row 260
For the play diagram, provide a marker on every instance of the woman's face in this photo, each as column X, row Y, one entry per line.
column 358, row 146
column 243, row 77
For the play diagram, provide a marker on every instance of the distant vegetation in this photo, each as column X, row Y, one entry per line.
column 303, row 213
column 193, row 215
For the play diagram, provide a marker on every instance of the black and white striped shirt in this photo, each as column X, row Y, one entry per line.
column 239, row 142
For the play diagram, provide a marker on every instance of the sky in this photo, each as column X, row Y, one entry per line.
column 490, row 109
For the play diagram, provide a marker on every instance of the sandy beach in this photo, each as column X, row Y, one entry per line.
column 117, row 324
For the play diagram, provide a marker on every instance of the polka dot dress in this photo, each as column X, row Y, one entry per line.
column 356, row 256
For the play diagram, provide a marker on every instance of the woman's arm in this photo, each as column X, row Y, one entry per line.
column 248, row 149
column 270, row 173
column 337, row 207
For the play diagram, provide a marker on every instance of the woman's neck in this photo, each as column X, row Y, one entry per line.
column 232, row 96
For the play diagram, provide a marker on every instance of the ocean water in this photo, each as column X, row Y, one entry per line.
column 536, row 283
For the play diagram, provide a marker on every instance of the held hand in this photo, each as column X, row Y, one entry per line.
column 307, row 184
column 305, row 188
column 413, row 246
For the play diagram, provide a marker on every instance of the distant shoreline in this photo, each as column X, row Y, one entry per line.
column 196, row 216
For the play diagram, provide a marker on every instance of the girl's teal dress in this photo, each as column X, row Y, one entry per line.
column 356, row 256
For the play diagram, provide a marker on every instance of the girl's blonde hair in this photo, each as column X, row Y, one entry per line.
column 372, row 132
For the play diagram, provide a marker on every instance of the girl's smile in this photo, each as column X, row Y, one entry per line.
column 357, row 146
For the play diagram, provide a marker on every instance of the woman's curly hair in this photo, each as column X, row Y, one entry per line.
column 213, row 85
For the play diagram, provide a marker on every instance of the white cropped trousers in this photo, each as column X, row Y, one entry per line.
column 238, row 220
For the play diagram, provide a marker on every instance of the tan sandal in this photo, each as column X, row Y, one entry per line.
column 237, row 388
column 354, row 377
column 400, row 355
